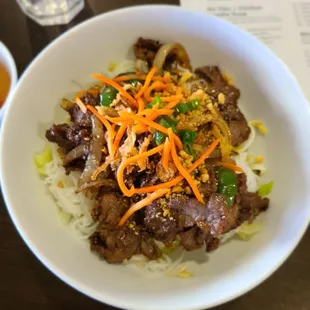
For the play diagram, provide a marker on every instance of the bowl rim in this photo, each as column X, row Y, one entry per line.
column 80, row 286
column 13, row 75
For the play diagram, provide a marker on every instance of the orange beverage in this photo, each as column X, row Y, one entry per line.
column 4, row 83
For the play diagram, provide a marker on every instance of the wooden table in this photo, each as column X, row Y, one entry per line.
column 23, row 279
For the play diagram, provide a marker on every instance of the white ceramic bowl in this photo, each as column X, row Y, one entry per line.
column 7, row 60
column 269, row 93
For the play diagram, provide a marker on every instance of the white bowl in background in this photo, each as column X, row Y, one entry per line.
column 7, row 60
column 269, row 92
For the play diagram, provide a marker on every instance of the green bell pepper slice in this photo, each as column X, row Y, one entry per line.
column 227, row 184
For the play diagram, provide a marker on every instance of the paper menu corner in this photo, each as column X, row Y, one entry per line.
column 284, row 28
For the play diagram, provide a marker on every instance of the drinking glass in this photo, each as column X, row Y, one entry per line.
column 51, row 12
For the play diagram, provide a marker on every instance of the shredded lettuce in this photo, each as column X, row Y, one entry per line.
column 246, row 230
column 112, row 66
column 43, row 158
column 265, row 189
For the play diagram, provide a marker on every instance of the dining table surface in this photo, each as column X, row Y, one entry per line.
column 26, row 283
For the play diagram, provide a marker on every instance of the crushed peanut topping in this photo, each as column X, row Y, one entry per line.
column 204, row 177
column 221, row 98
column 188, row 190
column 177, row 189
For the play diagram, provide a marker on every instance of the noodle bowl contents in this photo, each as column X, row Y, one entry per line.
column 5, row 82
column 155, row 158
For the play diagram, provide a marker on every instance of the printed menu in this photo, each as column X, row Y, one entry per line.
column 282, row 25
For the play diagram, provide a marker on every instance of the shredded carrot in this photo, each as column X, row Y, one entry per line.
column 141, row 104
column 80, row 94
column 158, row 113
column 60, row 184
column 182, row 170
column 101, row 168
column 140, row 128
column 177, row 98
column 142, row 203
column 114, row 120
column 92, row 91
column 205, row 155
column 139, row 77
column 152, row 188
column 152, row 124
column 147, row 82
column 131, row 160
column 149, row 153
column 230, row 166
column 119, row 136
column 154, row 86
column 166, row 153
column 149, row 111
column 179, row 91
column 172, row 98
column 145, row 144
column 81, row 104
column 153, row 114
column 172, row 104
column 117, row 86
column 179, row 178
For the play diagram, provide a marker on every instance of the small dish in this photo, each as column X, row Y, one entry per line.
column 6, row 59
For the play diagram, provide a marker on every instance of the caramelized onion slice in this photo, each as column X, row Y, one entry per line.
column 107, row 183
column 74, row 154
column 166, row 49
column 142, row 66
column 95, row 151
